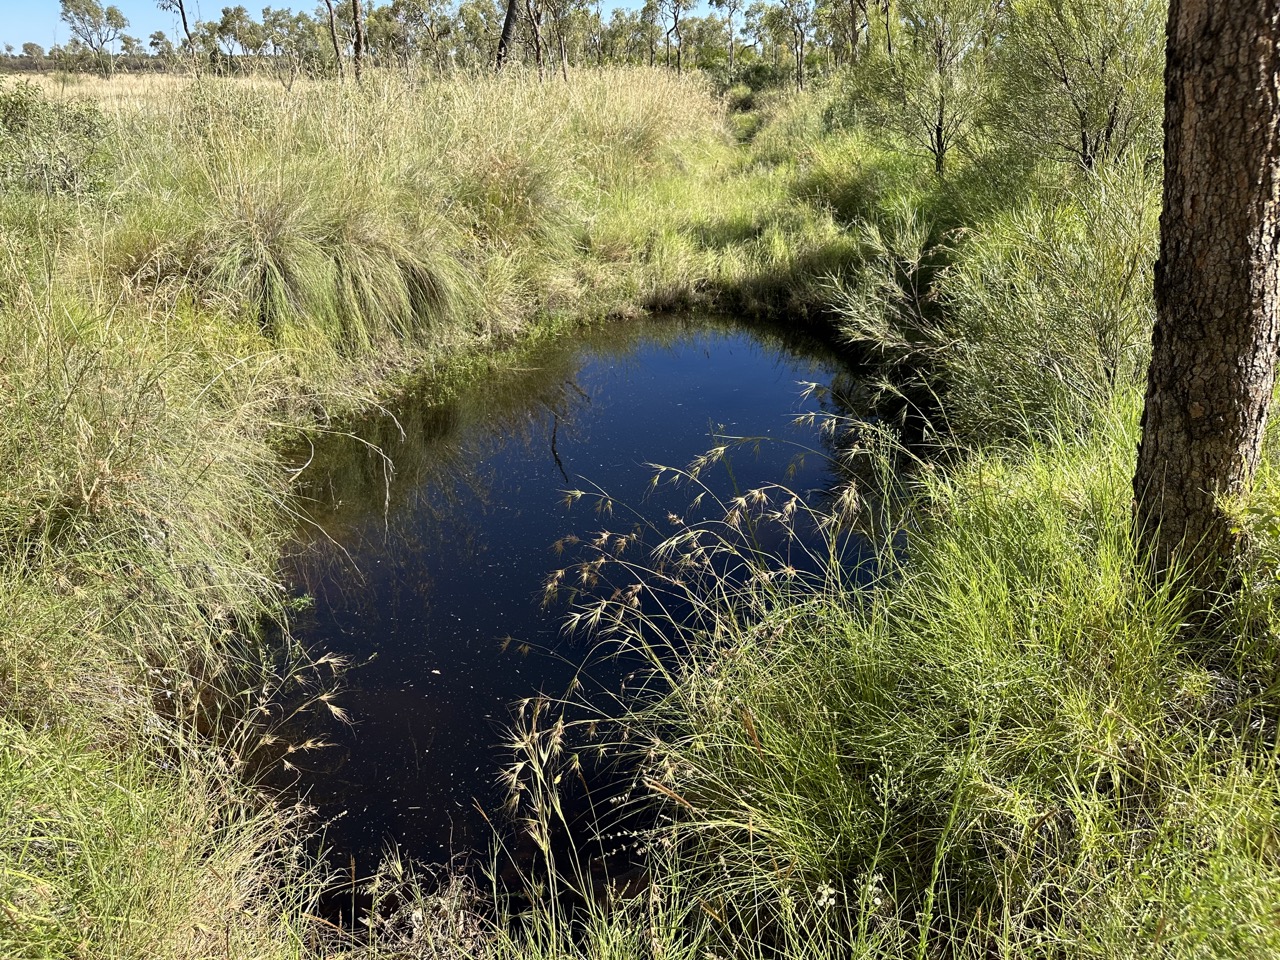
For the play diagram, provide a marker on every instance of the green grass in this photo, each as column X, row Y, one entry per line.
column 222, row 266
column 1010, row 744
column 1007, row 745
column 137, row 851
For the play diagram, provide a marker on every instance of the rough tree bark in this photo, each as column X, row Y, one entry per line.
column 357, row 58
column 508, row 33
column 1217, row 281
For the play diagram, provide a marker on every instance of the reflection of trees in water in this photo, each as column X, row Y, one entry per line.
column 404, row 505
column 395, row 483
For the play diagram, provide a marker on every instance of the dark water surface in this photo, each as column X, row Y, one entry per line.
column 427, row 566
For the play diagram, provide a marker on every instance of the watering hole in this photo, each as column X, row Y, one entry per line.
column 433, row 534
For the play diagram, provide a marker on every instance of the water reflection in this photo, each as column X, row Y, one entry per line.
column 433, row 535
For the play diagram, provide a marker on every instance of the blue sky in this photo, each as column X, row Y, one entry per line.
column 37, row 20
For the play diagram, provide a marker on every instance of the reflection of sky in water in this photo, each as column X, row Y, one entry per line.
column 431, row 586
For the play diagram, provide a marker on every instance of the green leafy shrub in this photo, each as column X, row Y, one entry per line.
column 1038, row 316
column 1081, row 80
column 53, row 146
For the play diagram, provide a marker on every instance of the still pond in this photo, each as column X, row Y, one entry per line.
column 433, row 535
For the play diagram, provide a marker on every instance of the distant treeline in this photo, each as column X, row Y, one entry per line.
column 763, row 41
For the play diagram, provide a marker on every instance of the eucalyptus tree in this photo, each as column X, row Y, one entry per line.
column 162, row 47
column 798, row 17
column 510, row 17
column 534, row 13
column 333, row 38
column 179, row 7
column 731, row 10
column 561, row 14
column 288, row 44
column 631, row 36
column 1082, row 79
column 395, row 33
column 238, row 34
column 475, row 23
column 131, row 52
column 1217, row 284
column 844, row 23
column 671, row 14
column 33, row 52
column 766, row 25
column 650, row 29
column 704, row 41
column 96, row 27
column 357, row 49
column 595, row 28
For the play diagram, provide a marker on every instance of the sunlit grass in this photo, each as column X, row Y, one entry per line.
column 243, row 262
column 1006, row 745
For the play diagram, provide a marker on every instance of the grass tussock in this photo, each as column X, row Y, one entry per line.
column 346, row 222
column 993, row 739
column 141, row 518
column 1007, row 744
column 197, row 269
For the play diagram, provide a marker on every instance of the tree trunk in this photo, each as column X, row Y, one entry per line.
column 939, row 138
column 800, row 59
column 535, row 33
column 182, row 12
column 853, row 30
column 508, row 31
column 1217, row 283
column 333, row 36
column 357, row 60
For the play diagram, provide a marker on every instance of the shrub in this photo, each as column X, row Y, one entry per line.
column 1039, row 316
column 51, row 146
column 1049, row 309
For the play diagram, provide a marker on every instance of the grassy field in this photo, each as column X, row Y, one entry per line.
column 1006, row 746
column 194, row 271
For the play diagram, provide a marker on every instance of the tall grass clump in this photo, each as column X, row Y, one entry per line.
column 138, row 853
column 140, row 519
column 1008, row 744
column 141, row 513
column 152, row 501
column 367, row 217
